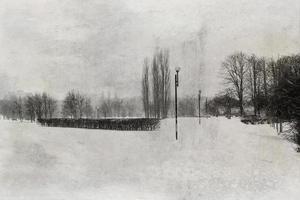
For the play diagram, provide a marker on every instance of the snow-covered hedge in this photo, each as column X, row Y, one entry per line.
column 110, row 124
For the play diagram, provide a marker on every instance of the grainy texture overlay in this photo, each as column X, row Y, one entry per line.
column 149, row 99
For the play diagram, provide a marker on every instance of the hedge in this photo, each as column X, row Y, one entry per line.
column 131, row 124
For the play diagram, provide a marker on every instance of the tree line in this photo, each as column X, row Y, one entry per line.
column 78, row 106
column 156, row 85
column 271, row 87
column 116, row 107
column 29, row 107
column 75, row 105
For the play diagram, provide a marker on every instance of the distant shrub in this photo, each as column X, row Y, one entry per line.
column 131, row 124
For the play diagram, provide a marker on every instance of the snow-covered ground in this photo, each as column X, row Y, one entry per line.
column 219, row 159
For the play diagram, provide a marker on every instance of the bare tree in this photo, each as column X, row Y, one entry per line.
column 38, row 106
column 161, row 83
column 165, row 82
column 52, row 106
column 257, row 79
column 6, row 108
column 105, row 108
column 45, row 105
column 264, row 71
column 76, row 105
column 156, row 85
column 70, row 105
column 80, row 103
column 18, row 107
column 87, row 108
column 274, row 72
column 224, row 101
column 145, row 89
column 29, row 107
column 235, row 72
column 253, row 78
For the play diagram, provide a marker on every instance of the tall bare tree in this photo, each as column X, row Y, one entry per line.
column 235, row 72
column 257, row 79
column 161, row 83
column 145, row 88
column 156, row 81
column 253, row 78
column 165, row 82
column 264, row 71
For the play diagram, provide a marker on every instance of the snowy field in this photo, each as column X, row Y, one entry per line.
column 219, row 159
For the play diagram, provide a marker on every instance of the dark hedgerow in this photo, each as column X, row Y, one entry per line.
column 130, row 124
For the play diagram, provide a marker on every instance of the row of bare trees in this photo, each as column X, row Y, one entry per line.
column 75, row 105
column 116, row 107
column 30, row 107
column 250, row 79
column 266, row 84
column 156, row 85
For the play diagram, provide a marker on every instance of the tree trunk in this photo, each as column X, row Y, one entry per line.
column 241, row 106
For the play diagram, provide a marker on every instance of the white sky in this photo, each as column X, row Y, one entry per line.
column 99, row 46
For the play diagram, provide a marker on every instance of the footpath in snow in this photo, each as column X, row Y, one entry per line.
column 219, row 159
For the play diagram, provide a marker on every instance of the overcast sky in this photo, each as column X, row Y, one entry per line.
column 97, row 46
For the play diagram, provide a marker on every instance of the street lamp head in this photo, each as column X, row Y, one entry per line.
column 177, row 69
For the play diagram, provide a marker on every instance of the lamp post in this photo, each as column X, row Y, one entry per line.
column 199, row 105
column 176, row 85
